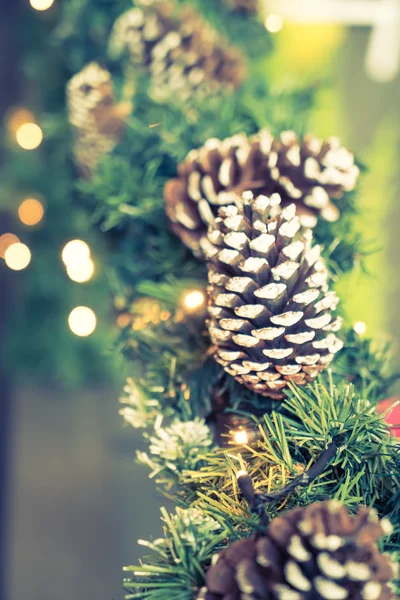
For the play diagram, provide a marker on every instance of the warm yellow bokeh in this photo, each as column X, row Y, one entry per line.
column 31, row 211
column 75, row 252
column 360, row 327
column 41, row 4
column 82, row 321
column 194, row 300
column 17, row 256
column 17, row 117
column 80, row 271
column 273, row 23
column 29, row 136
column 6, row 240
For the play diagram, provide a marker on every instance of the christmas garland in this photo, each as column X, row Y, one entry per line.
column 270, row 443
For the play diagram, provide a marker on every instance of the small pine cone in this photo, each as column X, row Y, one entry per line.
column 314, row 553
column 248, row 6
column 308, row 172
column 97, row 119
column 269, row 305
column 183, row 54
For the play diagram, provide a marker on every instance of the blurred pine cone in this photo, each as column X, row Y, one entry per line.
column 98, row 120
column 184, row 55
column 308, row 172
column 319, row 552
column 269, row 305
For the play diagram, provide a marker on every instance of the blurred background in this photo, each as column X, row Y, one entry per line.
column 73, row 503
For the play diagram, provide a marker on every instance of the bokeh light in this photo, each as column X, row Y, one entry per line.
column 82, row 321
column 360, row 327
column 29, row 136
column 75, row 252
column 273, row 23
column 123, row 320
column 17, row 117
column 241, row 437
column 5, row 242
column 41, row 4
column 31, row 211
column 194, row 300
column 80, row 271
column 17, row 256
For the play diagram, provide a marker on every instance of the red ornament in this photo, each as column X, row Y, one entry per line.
column 393, row 416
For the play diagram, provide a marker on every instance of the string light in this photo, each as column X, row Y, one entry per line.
column 74, row 252
column 5, row 242
column 41, row 4
column 241, row 473
column 82, row 321
column 360, row 327
column 17, row 256
column 31, row 211
column 80, row 272
column 193, row 300
column 29, row 136
column 273, row 23
column 241, row 437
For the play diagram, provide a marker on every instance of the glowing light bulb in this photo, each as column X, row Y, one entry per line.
column 74, row 252
column 5, row 242
column 241, row 473
column 360, row 327
column 241, row 437
column 273, row 23
column 193, row 300
column 82, row 321
column 41, row 4
column 17, row 256
column 80, row 271
column 31, row 211
column 29, row 136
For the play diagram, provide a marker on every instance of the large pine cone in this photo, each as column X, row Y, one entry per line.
column 316, row 553
column 308, row 172
column 269, row 305
column 96, row 117
column 183, row 54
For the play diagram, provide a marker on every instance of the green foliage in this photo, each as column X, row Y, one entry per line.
column 360, row 472
column 280, row 447
column 180, row 559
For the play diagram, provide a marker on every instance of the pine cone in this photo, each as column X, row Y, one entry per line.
column 269, row 305
column 183, row 54
column 248, row 6
column 307, row 172
column 98, row 120
column 313, row 553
